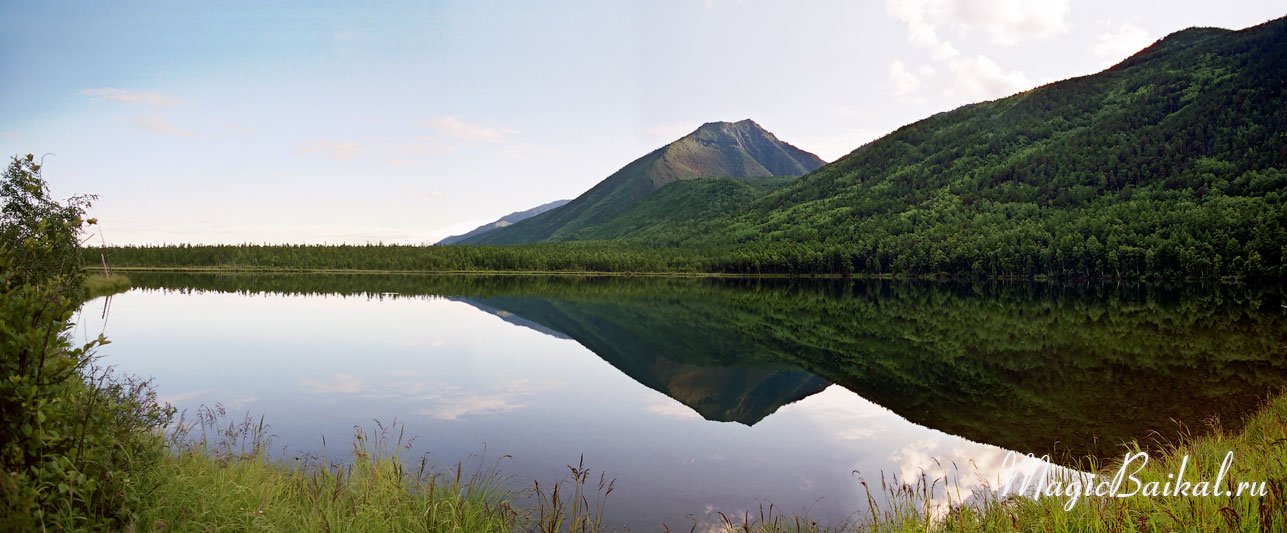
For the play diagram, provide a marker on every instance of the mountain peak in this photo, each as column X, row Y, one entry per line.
column 743, row 126
column 740, row 149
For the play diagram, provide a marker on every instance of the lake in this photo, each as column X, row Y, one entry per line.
column 702, row 396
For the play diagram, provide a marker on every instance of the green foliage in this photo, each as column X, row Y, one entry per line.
column 570, row 257
column 679, row 205
column 74, row 441
column 41, row 234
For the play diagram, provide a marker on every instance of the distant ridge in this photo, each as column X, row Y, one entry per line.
column 716, row 149
column 505, row 221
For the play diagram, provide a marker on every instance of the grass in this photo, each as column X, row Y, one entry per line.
column 225, row 480
column 96, row 285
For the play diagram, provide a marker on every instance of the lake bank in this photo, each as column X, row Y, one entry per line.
column 199, row 487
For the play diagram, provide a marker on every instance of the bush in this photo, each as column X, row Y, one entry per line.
column 74, row 440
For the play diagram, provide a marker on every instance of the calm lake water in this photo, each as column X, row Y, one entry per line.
column 704, row 396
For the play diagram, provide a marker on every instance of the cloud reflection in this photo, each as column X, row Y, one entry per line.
column 441, row 400
column 852, row 417
column 178, row 398
column 669, row 408
column 961, row 470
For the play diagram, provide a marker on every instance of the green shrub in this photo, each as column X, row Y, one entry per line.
column 74, row 439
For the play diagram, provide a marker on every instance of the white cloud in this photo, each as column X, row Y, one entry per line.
column 980, row 78
column 161, row 125
column 903, row 81
column 423, row 145
column 337, row 150
column 1012, row 21
column 10, row 135
column 112, row 94
column 1005, row 21
column 1113, row 46
column 944, row 51
column 455, row 129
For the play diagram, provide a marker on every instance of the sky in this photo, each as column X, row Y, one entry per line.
column 405, row 122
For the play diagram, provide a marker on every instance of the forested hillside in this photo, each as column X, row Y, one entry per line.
column 1172, row 164
column 683, row 202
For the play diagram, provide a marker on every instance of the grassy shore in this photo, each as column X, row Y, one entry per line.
column 96, row 285
column 225, row 480
column 230, row 483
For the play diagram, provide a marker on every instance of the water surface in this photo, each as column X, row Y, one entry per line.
column 705, row 396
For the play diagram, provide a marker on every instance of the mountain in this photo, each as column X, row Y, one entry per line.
column 716, row 149
column 505, row 221
column 1172, row 163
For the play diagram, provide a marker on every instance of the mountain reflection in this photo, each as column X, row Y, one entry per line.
column 1069, row 371
column 724, row 378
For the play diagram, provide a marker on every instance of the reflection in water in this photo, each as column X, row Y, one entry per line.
column 1040, row 368
column 1071, row 371
column 725, row 378
column 440, row 400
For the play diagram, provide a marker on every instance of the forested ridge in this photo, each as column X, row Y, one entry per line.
column 1169, row 164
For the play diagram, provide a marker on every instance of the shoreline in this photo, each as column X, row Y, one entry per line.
column 246, row 269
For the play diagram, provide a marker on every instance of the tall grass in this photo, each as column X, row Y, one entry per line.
column 557, row 510
column 221, row 476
